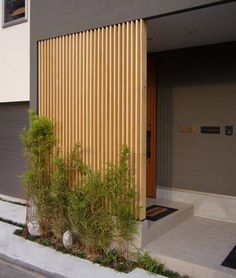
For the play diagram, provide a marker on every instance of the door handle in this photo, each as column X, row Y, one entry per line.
column 149, row 144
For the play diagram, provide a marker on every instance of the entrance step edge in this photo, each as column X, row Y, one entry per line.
column 151, row 230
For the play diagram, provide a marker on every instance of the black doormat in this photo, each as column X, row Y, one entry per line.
column 230, row 260
column 154, row 212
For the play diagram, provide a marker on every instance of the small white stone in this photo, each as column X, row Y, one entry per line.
column 68, row 240
column 34, row 228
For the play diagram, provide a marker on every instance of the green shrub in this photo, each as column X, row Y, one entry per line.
column 97, row 205
column 119, row 185
column 38, row 142
column 88, row 215
column 145, row 261
column 65, row 175
column 96, row 197
column 59, row 195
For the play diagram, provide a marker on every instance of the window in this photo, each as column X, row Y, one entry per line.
column 14, row 12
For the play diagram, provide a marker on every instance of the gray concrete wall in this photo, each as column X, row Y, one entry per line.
column 204, row 162
column 203, row 85
column 50, row 18
column 164, row 136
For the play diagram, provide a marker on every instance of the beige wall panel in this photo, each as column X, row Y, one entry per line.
column 204, row 162
column 93, row 84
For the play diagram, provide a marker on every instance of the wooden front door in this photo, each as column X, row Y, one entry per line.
column 151, row 126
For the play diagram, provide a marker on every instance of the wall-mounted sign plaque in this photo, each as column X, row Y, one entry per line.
column 210, row 129
column 188, row 129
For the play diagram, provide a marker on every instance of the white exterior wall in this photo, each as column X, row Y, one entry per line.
column 14, row 62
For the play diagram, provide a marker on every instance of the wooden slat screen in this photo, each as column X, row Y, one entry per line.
column 93, row 84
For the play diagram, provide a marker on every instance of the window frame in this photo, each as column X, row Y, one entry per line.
column 15, row 21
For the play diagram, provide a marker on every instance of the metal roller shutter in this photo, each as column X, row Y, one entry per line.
column 13, row 118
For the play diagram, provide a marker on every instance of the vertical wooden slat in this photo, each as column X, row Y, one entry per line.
column 56, row 69
column 143, row 118
column 102, row 88
column 63, row 97
column 94, row 104
column 76, row 104
column 86, row 96
column 80, row 102
column 59, row 115
column 72, row 110
column 110, row 95
column 83, row 130
column 98, row 99
column 90, row 100
column 114, row 93
column 40, row 65
column 119, row 86
column 93, row 84
column 65, row 122
column 47, row 79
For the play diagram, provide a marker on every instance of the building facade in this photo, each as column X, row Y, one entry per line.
column 14, row 99
column 157, row 75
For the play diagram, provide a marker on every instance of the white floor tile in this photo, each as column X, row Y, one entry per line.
column 200, row 241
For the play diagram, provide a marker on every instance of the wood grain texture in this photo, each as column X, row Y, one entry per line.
column 93, row 84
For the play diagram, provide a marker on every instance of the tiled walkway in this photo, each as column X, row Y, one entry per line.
column 197, row 241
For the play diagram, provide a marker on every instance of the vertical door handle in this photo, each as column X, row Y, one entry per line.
column 149, row 144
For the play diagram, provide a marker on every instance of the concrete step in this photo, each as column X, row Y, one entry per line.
column 151, row 230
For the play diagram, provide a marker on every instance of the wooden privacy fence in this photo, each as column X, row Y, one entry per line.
column 93, row 84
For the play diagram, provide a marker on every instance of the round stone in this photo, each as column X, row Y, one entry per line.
column 68, row 240
column 34, row 229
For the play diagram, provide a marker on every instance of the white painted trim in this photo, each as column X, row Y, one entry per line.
column 195, row 192
column 219, row 207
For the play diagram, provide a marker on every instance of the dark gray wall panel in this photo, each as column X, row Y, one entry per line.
column 164, row 136
column 198, row 65
column 13, row 118
column 51, row 18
